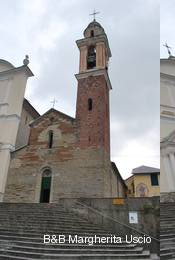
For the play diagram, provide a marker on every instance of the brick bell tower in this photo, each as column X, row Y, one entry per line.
column 92, row 109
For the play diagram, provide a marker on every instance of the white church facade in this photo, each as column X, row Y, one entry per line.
column 12, row 88
column 167, row 127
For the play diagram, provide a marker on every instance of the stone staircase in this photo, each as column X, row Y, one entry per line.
column 22, row 227
column 167, row 230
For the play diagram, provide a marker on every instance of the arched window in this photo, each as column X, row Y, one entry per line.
column 47, row 173
column 89, row 104
column 50, row 139
column 92, row 33
column 45, row 186
column 91, row 57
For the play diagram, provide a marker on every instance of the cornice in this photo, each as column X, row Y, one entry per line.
column 23, row 68
column 167, row 76
column 7, row 146
column 94, row 40
column 95, row 72
column 10, row 117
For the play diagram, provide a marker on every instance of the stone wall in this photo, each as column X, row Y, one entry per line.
column 75, row 172
column 94, row 124
column 75, row 176
column 167, row 196
column 147, row 209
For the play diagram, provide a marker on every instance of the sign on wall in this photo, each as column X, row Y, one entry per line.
column 118, row 201
column 133, row 217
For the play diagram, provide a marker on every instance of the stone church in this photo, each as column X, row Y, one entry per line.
column 59, row 156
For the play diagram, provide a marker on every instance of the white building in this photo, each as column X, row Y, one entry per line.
column 12, row 88
column 167, row 133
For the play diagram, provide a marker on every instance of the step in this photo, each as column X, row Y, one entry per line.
column 41, row 244
column 22, row 227
column 52, row 228
column 167, row 249
column 29, row 255
column 73, row 250
column 169, row 255
column 59, row 232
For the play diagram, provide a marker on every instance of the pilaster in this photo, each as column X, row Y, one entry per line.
column 12, row 88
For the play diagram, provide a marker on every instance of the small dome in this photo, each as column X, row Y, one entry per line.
column 5, row 65
column 93, row 29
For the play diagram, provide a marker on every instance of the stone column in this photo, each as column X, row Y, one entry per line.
column 4, row 162
column 172, row 162
column 83, row 58
column 168, row 171
column 100, row 52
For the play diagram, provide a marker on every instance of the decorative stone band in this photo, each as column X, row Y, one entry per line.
column 10, row 117
column 167, row 117
column 167, row 76
column 23, row 68
column 7, row 147
column 4, row 104
column 95, row 72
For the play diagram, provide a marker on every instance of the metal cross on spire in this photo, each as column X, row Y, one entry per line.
column 168, row 48
column 94, row 14
column 53, row 102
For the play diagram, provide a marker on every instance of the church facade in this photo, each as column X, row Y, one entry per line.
column 69, row 157
column 167, row 127
column 13, row 82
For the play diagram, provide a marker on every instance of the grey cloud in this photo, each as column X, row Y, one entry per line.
column 133, row 32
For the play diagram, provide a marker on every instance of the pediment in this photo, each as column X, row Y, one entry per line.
column 167, row 66
column 52, row 116
column 170, row 138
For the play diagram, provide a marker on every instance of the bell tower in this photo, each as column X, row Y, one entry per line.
column 92, row 109
column 94, row 48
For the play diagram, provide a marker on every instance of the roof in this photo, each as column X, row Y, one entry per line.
column 116, row 171
column 145, row 170
column 9, row 65
column 99, row 35
column 94, row 23
column 30, row 109
column 23, row 68
column 49, row 111
column 129, row 177
column 169, row 59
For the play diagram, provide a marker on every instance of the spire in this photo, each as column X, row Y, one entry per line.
column 96, row 27
column 94, row 14
column 168, row 48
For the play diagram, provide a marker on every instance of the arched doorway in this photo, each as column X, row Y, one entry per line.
column 45, row 186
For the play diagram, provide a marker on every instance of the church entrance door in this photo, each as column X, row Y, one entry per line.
column 45, row 186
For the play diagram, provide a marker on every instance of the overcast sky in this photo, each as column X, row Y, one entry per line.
column 46, row 30
column 167, row 23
